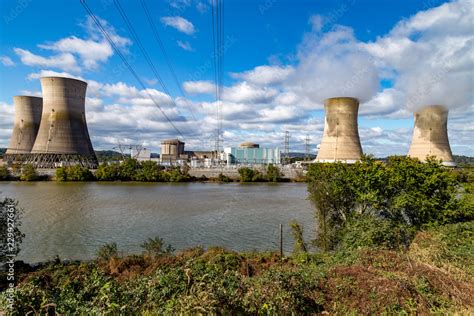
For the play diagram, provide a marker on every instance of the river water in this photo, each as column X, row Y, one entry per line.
column 72, row 220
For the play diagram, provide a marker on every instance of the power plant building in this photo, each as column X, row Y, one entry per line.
column 27, row 121
column 251, row 154
column 430, row 135
column 340, row 140
column 63, row 137
column 172, row 150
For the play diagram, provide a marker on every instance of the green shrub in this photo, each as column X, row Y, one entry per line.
column 149, row 171
column 108, row 172
column 4, row 173
column 28, row 173
column 74, row 173
column 273, row 173
column 297, row 232
column 128, row 169
column 250, row 175
column 156, row 247
column 61, row 174
column 107, row 251
column 223, row 178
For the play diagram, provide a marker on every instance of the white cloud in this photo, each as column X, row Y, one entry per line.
column 333, row 65
column 245, row 92
column 199, row 87
column 431, row 56
column 64, row 61
column 6, row 61
column 51, row 73
column 265, row 75
column 185, row 45
column 201, row 7
column 179, row 23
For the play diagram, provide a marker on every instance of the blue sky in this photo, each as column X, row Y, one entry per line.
column 275, row 64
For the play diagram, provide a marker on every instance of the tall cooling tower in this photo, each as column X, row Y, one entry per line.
column 430, row 135
column 63, row 138
column 27, row 120
column 340, row 140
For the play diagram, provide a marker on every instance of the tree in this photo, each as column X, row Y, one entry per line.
column 297, row 232
column 10, row 222
column 61, row 174
column 273, row 173
column 149, row 171
column 108, row 172
column 156, row 247
column 4, row 173
column 28, row 173
column 107, row 251
column 128, row 169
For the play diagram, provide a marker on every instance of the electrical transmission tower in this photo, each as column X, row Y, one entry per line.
column 307, row 148
column 130, row 148
column 287, row 147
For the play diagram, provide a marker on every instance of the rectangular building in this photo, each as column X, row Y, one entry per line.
column 252, row 156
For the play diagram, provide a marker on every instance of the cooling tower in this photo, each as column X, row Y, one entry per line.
column 26, row 124
column 430, row 135
column 340, row 140
column 63, row 138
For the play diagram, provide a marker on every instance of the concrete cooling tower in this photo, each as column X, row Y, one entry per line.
column 430, row 135
column 340, row 140
column 63, row 138
column 27, row 120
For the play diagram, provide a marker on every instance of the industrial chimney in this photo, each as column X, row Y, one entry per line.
column 25, row 128
column 63, row 138
column 430, row 135
column 341, row 135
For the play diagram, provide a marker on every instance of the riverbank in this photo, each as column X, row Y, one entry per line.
column 433, row 276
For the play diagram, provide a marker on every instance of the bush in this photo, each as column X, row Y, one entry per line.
column 273, row 173
column 149, row 171
column 28, row 173
column 156, row 247
column 74, row 173
column 107, row 251
column 108, row 172
column 403, row 191
column 128, row 169
column 223, row 178
column 250, row 175
column 4, row 173
column 10, row 235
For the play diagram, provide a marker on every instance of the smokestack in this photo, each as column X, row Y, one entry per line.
column 63, row 138
column 26, row 124
column 430, row 135
column 341, row 135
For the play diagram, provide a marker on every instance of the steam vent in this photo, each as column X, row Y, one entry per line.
column 63, row 138
column 430, row 135
column 27, row 120
column 341, row 135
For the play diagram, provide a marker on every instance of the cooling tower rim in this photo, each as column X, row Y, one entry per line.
column 341, row 98
column 62, row 79
column 432, row 107
column 27, row 96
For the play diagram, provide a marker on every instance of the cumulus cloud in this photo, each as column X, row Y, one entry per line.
column 6, row 61
column 245, row 92
column 430, row 56
column 51, row 73
column 199, row 87
column 185, row 45
column 265, row 75
column 179, row 23
column 333, row 65
column 65, row 61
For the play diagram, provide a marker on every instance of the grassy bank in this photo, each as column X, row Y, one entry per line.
column 433, row 276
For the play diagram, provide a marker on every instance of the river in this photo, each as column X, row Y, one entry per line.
column 71, row 220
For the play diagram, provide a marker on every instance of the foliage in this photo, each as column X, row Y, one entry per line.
column 107, row 251
column 28, row 173
column 156, row 247
column 128, row 168
column 223, row 178
column 74, row 173
column 297, row 232
column 10, row 234
column 174, row 174
column 250, row 175
column 273, row 173
column 4, row 173
column 218, row 281
column 403, row 191
column 108, row 172
column 149, row 171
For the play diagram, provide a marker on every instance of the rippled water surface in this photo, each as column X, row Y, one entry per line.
column 73, row 219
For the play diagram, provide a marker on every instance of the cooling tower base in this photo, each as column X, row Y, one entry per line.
column 50, row 161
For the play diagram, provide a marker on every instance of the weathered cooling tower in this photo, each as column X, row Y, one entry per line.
column 26, row 124
column 430, row 135
column 63, row 138
column 340, row 140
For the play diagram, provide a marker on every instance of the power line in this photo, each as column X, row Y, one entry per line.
column 143, row 50
column 163, row 50
column 127, row 64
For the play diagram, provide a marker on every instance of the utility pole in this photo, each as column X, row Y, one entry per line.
column 287, row 147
